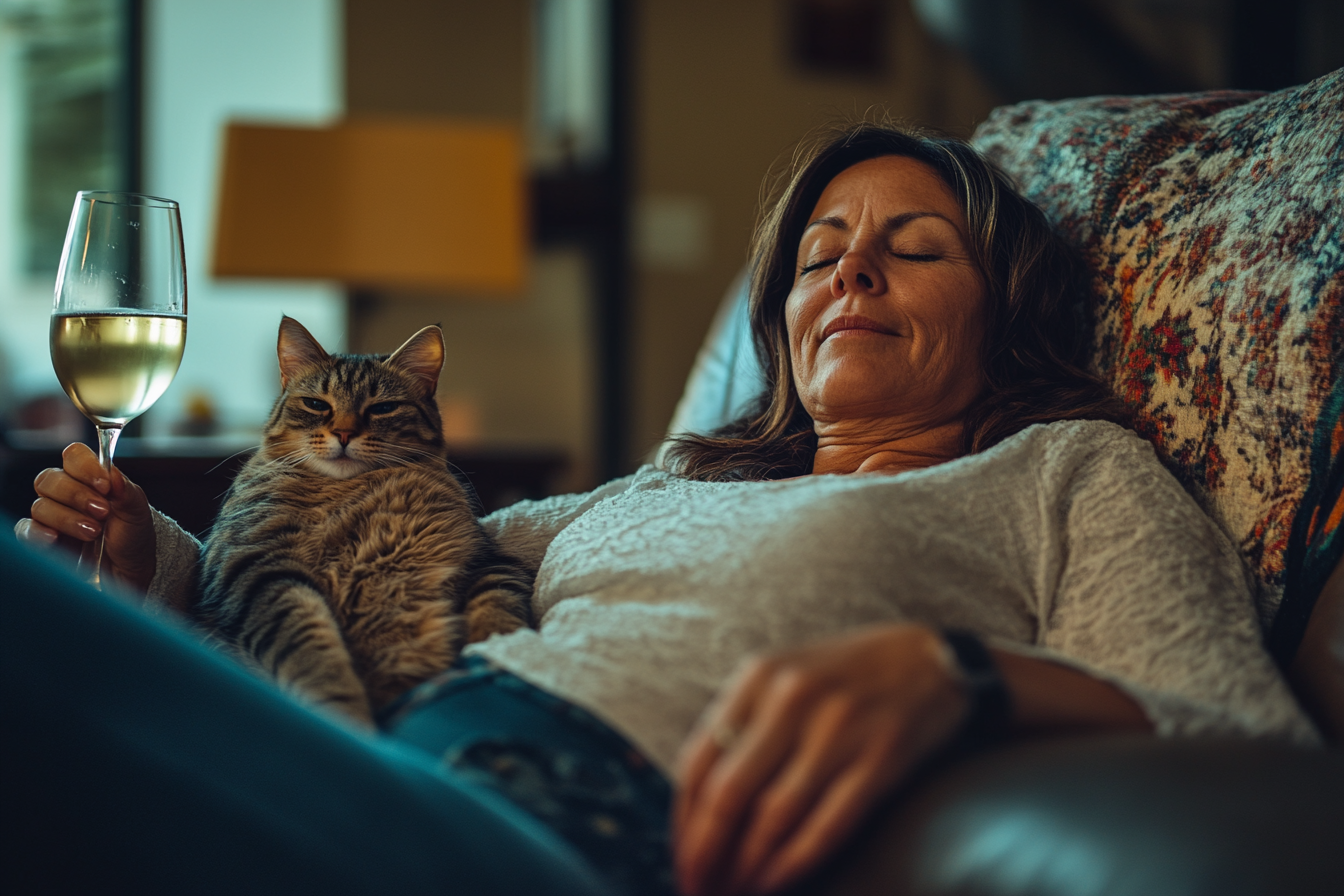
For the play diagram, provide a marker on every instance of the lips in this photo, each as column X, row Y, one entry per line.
column 854, row 322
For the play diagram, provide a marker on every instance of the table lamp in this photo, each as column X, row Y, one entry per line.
column 426, row 206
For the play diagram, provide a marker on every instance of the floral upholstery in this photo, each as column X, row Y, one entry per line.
column 1213, row 231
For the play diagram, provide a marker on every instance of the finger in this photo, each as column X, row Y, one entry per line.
column 692, row 832
column 62, row 488
column 731, row 709
column 734, row 783
column 35, row 534
column 64, row 520
column 831, row 740
column 698, row 756
column 835, row 816
column 79, row 461
column 703, row 841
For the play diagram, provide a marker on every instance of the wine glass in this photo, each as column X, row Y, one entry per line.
column 119, row 322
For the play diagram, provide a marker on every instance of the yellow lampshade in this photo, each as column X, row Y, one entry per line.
column 425, row 205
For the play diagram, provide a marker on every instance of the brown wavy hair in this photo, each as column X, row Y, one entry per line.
column 1031, row 356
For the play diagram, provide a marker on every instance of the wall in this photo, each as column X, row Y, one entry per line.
column 519, row 369
column 207, row 61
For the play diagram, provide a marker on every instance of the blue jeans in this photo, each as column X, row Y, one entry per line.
column 136, row 760
column 554, row 759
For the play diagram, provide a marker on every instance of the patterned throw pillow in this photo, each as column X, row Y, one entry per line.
column 1213, row 229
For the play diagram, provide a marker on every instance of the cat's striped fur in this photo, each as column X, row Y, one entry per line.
column 346, row 561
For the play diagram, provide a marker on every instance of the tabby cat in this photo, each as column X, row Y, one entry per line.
column 346, row 561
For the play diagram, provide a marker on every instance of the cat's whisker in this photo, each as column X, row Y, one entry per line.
column 231, row 457
column 280, row 460
column 400, row 452
column 291, row 459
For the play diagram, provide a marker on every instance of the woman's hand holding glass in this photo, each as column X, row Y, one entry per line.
column 80, row 501
column 799, row 746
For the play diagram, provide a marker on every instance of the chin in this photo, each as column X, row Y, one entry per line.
column 338, row 468
column 861, row 382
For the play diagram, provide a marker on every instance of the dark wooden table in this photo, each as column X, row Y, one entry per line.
column 189, row 487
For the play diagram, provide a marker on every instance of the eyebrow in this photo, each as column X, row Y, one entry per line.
column 895, row 222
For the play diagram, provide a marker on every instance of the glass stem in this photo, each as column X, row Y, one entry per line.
column 91, row 557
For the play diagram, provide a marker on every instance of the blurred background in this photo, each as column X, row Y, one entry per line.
column 644, row 131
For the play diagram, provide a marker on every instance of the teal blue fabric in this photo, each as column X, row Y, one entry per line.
column 135, row 760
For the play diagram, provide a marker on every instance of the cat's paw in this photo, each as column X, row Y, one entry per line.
column 350, row 709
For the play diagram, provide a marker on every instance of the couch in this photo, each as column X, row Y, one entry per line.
column 1212, row 230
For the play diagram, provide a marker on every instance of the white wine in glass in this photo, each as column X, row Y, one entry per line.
column 119, row 323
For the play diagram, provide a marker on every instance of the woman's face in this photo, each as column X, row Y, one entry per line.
column 886, row 316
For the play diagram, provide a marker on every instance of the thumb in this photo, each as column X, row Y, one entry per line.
column 127, row 498
column 117, row 484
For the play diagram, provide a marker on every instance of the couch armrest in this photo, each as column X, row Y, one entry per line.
column 1108, row 815
column 1317, row 672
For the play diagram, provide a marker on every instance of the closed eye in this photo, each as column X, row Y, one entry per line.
column 384, row 407
column 316, row 404
column 816, row 265
column 905, row 256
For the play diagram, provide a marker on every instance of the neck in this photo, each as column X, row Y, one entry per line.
column 884, row 446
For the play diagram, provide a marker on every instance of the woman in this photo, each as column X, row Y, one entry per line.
column 781, row 620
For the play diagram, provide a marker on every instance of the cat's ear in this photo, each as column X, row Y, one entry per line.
column 421, row 359
column 297, row 350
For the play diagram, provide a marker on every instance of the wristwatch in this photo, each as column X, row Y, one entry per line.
column 990, row 703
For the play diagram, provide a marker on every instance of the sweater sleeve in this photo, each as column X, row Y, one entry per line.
column 176, row 556
column 1151, row 597
column 525, row 530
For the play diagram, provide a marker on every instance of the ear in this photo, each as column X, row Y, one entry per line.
column 421, row 359
column 297, row 350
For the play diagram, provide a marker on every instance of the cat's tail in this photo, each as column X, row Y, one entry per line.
column 500, row 598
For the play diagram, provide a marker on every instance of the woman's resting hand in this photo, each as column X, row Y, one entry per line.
column 78, row 501
column 799, row 746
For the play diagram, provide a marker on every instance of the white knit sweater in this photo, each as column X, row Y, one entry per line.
column 1068, row 541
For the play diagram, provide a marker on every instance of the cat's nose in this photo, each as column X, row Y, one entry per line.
column 344, row 435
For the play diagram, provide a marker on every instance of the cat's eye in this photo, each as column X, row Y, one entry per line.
column 316, row 404
column 383, row 407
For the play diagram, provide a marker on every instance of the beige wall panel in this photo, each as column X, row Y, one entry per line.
column 437, row 57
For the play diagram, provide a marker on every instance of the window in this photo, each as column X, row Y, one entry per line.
column 67, row 123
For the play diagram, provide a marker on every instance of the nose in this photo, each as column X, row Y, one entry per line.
column 856, row 272
column 344, row 435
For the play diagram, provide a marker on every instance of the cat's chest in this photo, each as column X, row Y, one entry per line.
column 398, row 519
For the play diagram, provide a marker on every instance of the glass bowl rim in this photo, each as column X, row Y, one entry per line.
column 125, row 197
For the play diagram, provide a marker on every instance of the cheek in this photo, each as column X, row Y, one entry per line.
column 966, row 332
column 973, row 323
column 958, row 319
column 798, row 316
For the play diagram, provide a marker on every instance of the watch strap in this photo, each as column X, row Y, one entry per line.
column 990, row 706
